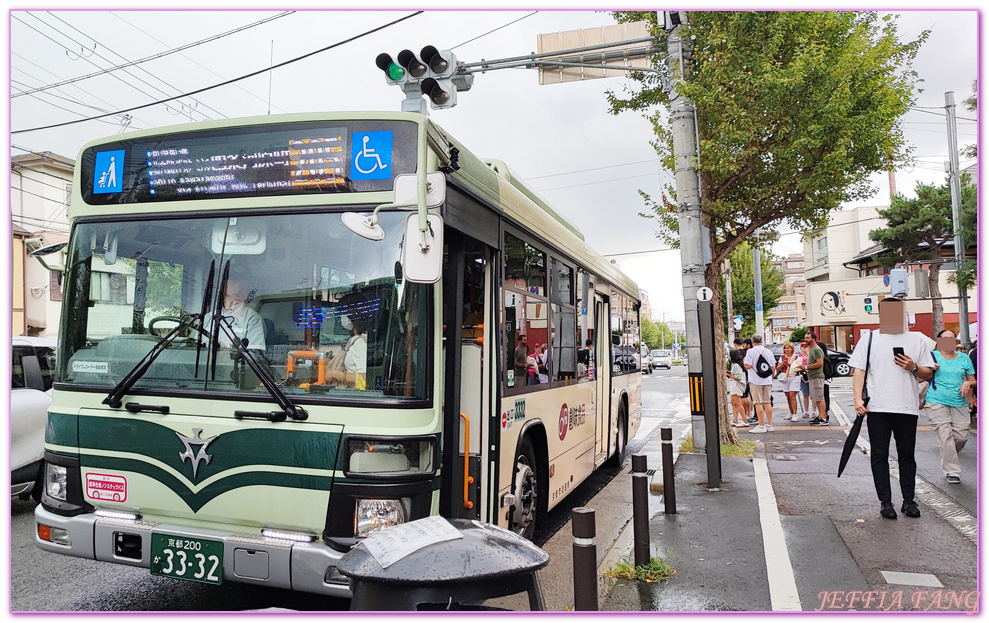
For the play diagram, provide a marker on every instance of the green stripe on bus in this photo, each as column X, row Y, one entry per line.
column 196, row 500
column 62, row 430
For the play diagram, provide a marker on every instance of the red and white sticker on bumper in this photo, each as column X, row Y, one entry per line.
column 106, row 487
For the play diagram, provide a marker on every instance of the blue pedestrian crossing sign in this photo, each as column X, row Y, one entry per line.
column 109, row 172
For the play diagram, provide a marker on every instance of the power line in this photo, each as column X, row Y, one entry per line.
column 43, row 101
column 156, row 56
column 192, row 60
column 636, row 252
column 222, row 84
column 494, row 30
column 67, row 49
column 610, row 166
column 166, row 83
column 615, row 179
column 95, row 97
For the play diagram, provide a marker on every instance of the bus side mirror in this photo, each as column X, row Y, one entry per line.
column 422, row 252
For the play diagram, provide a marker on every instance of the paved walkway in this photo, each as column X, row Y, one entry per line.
column 783, row 533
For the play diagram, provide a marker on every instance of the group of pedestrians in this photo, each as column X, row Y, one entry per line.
column 751, row 370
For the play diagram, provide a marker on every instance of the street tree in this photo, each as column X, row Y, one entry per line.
column 919, row 228
column 657, row 334
column 743, row 286
column 797, row 335
column 795, row 110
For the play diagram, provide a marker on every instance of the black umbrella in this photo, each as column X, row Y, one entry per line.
column 853, row 435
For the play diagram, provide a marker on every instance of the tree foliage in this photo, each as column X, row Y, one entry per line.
column 795, row 110
column 657, row 334
column 919, row 228
column 797, row 335
column 743, row 286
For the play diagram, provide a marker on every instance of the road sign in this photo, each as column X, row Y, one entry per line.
column 705, row 294
column 886, row 280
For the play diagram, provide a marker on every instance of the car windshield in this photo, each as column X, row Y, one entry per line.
column 660, row 353
column 326, row 311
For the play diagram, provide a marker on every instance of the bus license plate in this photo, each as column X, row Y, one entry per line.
column 199, row 560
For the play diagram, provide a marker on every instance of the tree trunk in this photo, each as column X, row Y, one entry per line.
column 712, row 276
column 937, row 308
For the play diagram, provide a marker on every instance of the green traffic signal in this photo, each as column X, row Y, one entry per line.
column 393, row 70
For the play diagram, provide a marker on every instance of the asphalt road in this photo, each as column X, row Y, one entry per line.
column 86, row 585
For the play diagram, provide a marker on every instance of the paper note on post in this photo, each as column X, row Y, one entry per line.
column 393, row 544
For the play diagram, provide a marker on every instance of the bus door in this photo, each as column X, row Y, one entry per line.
column 467, row 404
column 601, row 402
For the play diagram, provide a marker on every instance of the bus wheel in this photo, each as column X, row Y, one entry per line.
column 621, row 438
column 522, row 516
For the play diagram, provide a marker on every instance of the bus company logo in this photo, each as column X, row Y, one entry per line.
column 200, row 454
column 106, row 487
column 571, row 418
column 515, row 414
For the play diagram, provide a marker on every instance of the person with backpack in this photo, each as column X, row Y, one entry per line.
column 760, row 362
column 815, row 378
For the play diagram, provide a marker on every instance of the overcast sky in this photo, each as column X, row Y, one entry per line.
column 586, row 162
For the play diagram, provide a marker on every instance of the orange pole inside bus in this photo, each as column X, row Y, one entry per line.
column 468, row 479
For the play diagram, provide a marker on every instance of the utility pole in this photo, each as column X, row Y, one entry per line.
column 757, row 284
column 730, row 311
column 686, row 173
column 956, row 214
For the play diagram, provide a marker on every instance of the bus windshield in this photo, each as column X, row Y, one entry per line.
column 326, row 312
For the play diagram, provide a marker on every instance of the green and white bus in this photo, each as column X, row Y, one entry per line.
column 280, row 334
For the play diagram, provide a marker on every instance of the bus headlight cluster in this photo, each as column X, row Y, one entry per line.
column 56, row 481
column 374, row 515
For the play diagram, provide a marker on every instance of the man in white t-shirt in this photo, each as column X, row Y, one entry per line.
column 760, row 386
column 894, row 400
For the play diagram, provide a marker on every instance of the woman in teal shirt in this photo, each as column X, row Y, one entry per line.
column 947, row 407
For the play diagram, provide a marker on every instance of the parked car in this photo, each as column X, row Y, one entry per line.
column 839, row 359
column 646, row 361
column 30, row 396
column 662, row 358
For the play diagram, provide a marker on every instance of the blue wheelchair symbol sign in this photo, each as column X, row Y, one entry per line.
column 109, row 172
column 371, row 158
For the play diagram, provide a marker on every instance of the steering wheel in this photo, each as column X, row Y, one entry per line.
column 151, row 325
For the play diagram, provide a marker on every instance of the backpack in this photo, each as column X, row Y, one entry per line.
column 762, row 367
column 828, row 367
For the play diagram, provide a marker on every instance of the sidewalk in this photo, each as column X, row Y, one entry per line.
column 783, row 533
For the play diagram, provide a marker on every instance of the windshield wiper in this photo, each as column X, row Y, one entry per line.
column 202, row 317
column 269, row 382
column 139, row 370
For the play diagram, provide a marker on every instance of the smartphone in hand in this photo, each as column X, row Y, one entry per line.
column 898, row 350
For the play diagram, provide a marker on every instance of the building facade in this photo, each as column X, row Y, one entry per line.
column 41, row 186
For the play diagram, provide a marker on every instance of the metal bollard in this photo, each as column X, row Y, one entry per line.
column 669, row 489
column 639, row 464
column 585, row 560
column 640, row 518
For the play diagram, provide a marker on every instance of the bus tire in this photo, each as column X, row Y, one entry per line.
column 621, row 437
column 525, row 487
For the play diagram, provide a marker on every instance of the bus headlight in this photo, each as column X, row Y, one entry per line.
column 390, row 456
column 373, row 515
column 56, row 481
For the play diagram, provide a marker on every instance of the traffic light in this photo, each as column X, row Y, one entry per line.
column 869, row 303
column 438, row 86
column 432, row 73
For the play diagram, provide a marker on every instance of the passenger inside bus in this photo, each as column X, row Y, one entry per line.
column 349, row 368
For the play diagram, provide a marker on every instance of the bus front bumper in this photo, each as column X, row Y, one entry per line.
column 251, row 559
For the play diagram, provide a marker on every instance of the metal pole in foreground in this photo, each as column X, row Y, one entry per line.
column 640, row 518
column 956, row 211
column 585, row 560
column 669, row 489
column 640, row 464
